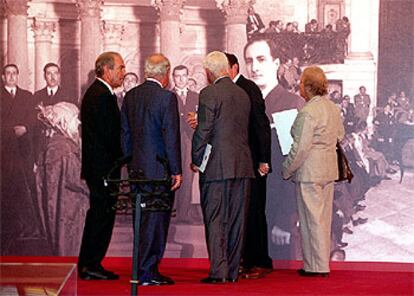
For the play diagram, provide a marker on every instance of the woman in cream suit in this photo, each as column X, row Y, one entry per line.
column 312, row 164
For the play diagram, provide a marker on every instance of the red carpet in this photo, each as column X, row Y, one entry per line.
column 346, row 278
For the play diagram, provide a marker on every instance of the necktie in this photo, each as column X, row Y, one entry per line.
column 12, row 93
column 51, row 93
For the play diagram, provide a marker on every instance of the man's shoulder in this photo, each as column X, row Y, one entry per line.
column 23, row 91
column 248, row 85
column 40, row 91
column 95, row 92
column 148, row 89
column 288, row 100
column 192, row 94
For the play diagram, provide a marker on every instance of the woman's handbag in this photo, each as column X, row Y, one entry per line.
column 344, row 170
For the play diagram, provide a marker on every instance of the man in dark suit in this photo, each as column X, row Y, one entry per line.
column 101, row 147
column 223, row 113
column 187, row 212
column 262, row 57
column 151, row 128
column 254, row 23
column 17, row 179
column 255, row 256
column 52, row 93
column 362, row 103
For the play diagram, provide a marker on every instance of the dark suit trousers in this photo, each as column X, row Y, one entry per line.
column 255, row 250
column 223, row 205
column 99, row 224
column 152, row 242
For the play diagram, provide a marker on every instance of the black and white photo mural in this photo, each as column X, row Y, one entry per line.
column 47, row 53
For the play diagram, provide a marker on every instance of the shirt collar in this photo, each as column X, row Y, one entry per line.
column 154, row 80
column 181, row 90
column 9, row 89
column 107, row 85
column 54, row 89
column 236, row 77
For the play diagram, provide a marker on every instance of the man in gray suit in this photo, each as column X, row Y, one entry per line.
column 313, row 164
column 223, row 119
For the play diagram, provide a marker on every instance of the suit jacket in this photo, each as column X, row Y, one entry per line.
column 60, row 96
column 191, row 105
column 259, row 125
column 101, row 131
column 222, row 122
column 281, row 201
column 315, row 133
column 362, row 105
column 17, row 110
column 254, row 27
column 151, row 127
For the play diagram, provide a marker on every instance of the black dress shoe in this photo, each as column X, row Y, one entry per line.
column 303, row 272
column 342, row 244
column 359, row 208
column 165, row 279
column 211, row 280
column 347, row 230
column 150, row 282
column 91, row 274
column 359, row 221
column 157, row 281
column 107, row 272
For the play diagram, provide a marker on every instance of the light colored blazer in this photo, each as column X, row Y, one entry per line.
column 312, row 157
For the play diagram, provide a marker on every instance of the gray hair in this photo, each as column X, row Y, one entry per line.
column 216, row 63
column 156, row 66
column 105, row 59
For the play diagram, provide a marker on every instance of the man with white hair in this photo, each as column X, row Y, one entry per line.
column 150, row 128
column 225, row 175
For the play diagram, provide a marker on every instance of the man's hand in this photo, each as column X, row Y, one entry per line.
column 280, row 237
column 176, row 181
column 192, row 119
column 193, row 167
column 20, row 130
column 263, row 169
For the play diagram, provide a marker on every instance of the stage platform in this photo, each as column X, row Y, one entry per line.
column 57, row 276
column 42, row 278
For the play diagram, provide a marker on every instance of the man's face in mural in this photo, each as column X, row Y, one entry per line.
column 52, row 76
column 180, row 78
column 10, row 76
column 130, row 81
column 260, row 65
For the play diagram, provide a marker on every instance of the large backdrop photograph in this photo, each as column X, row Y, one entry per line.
column 365, row 47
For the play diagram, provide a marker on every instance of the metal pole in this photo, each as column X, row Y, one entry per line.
column 137, row 222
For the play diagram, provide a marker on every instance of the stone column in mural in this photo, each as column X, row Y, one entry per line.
column 360, row 58
column 43, row 31
column 236, row 15
column 90, row 40
column 170, row 11
column 17, row 52
column 112, row 35
column 360, row 30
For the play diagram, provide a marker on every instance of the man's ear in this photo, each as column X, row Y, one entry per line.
column 3, row 78
column 277, row 62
